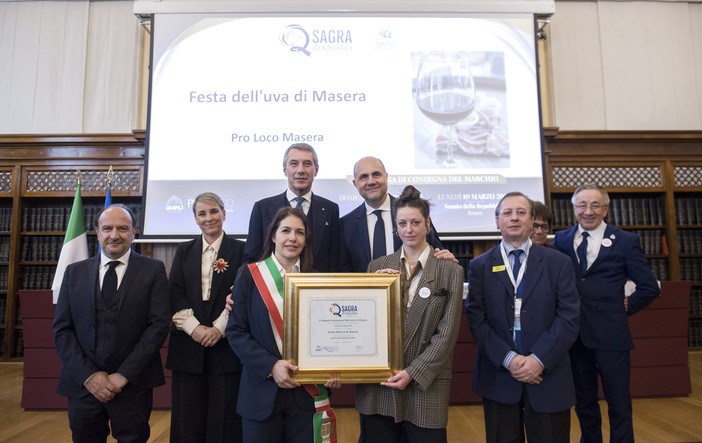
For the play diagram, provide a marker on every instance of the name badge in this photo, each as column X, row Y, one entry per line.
column 424, row 292
column 498, row 268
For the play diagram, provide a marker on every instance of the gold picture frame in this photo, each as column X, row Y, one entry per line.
column 344, row 325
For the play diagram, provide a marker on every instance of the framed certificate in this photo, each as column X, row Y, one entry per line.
column 344, row 325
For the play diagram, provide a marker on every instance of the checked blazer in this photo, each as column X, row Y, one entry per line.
column 430, row 333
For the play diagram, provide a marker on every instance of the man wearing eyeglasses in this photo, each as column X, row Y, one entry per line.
column 523, row 309
column 604, row 258
column 542, row 224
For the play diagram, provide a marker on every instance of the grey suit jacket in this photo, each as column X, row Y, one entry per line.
column 430, row 333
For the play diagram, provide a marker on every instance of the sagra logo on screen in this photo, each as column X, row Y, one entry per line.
column 300, row 40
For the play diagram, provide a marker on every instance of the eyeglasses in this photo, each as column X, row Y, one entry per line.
column 508, row 212
column 544, row 227
column 594, row 206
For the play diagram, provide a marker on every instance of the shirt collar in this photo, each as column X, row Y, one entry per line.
column 598, row 231
column 291, row 196
column 384, row 207
column 124, row 259
column 423, row 257
column 281, row 269
column 215, row 244
column 524, row 246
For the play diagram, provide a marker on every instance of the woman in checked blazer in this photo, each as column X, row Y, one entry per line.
column 412, row 405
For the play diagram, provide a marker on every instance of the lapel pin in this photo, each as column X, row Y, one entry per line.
column 424, row 292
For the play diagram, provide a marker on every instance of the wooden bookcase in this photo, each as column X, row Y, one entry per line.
column 37, row 187
column 654, row 179
column 660, row 171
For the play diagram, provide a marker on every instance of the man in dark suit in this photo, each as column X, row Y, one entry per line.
column 523, row 309
column 604, row 257
column 111, row 319
column 300, row 166
column 369, row 229
column 206, row 371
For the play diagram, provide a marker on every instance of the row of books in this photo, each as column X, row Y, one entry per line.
column 4, row 249
column 56, row 219
column 690, row 241
column 688, row 210
column 5, row 219
column 38, row 277
column 459, row 247
column 691, row 269
column 659, row 266
column 696, row 301
column 622, row 211
column 694, row 333
column 48, row 248
column 4, row 274
column 652, row 241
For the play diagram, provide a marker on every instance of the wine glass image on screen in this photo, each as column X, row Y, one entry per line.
column 445, row 93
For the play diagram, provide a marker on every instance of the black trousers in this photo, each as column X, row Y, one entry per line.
column 383, row 429
column 507, row 422
column 127, row 414
column 291, row 420
column 203, row 408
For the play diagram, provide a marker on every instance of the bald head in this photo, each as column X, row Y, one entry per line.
column 371, row 180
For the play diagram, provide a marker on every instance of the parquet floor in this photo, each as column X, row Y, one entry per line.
column 655, row 420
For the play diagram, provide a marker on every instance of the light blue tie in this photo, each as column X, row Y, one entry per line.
column 299, row 201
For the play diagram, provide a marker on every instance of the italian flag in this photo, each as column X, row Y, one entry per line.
column 75, row 244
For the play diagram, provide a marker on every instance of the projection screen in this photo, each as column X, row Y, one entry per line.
column 447, row 100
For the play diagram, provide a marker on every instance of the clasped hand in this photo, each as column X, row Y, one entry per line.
column 526, row 369
column 206, row 336
column 105, row 386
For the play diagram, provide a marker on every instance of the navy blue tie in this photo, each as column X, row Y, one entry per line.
column 299, row 201
column 109, row 281
column 515, row 271
column 582, row 253
column 379, row 248
column 517, row 263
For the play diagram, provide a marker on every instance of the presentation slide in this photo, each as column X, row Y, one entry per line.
column 448, row 103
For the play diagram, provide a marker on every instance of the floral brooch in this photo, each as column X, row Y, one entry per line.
column 220, row 265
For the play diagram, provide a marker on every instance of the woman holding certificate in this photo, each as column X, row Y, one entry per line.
column 273, row 406
column 412, row 405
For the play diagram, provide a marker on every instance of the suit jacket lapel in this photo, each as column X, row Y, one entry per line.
column 94, row 271
column 193, row 276
column 362, row 230
column 604, row 252
column 318, row 220
column 419, row 303
column 225, row 252
column 502, row 276
column 396, row 239
column 128, row 278
column 533, row 271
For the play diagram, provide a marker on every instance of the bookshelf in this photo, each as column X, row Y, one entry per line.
column 652, row 176
column 37, row 187
column 654, row 179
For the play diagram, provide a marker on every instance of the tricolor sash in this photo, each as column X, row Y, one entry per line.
column 269, row 283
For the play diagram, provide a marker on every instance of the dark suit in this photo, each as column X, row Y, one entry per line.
column 130, row 345
column 323, row 218
column 250, row 335
column 605, row 340
column 430, row 333
column 549, row 319
column 357, row 249
column 205, row 380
